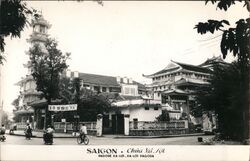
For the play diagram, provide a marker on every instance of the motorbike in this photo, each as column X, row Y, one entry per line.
column 28, row 135
column 2, row 138
column 48, row 138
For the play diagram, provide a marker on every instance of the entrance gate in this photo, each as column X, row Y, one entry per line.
column 118, row 124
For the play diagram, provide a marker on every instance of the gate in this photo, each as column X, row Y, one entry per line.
column 118, row 124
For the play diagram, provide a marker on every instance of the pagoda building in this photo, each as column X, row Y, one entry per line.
column 25, row 112
column 175, row 86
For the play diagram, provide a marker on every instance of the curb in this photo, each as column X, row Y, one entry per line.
column 124, row 137
column 155, row 137
column 35, row 136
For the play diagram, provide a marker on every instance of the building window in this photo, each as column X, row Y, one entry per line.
column 96, row 88
column 135, row 123
column 159, row 94
column 126, row 91
column 42, row 29
column 104, row 89
column 146, row 107
column 156, row 108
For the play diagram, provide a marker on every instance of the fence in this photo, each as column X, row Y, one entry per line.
column 69, row 126
column 60, row 125
column 21, row 125
column 143, row 128
column 145, row 125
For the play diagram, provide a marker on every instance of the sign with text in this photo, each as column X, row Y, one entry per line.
column 71, row 107
column 112, row 152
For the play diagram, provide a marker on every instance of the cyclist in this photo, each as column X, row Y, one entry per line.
column 83, row 131
column 28, row 131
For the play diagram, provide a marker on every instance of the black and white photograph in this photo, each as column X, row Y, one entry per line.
column 124, row 80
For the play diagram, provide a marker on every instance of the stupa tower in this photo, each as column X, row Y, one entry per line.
column 28, row 94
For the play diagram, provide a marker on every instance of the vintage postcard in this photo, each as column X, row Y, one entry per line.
column 124, row 80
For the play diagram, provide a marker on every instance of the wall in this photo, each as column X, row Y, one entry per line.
column 141, row 114
column 91, row 127
column 158, row 132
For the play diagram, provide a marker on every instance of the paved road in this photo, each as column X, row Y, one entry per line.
column 107, row 140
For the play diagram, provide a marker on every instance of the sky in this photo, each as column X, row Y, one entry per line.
column 128, row 38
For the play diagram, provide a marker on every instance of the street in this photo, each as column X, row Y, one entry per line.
column 100, row 148
column 107, row 140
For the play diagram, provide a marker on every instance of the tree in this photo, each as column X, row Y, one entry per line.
column 89, row 103
column 14, row 16
column 91, row 106
column 69, row 93
column 164, row 116
column 224, row 96
column 47, row 65
column 235, row 40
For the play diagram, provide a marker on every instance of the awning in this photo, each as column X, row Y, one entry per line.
column 23, row 111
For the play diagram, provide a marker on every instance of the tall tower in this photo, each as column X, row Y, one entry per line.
column 28, row 93
column 40, row 30
column 39, row 35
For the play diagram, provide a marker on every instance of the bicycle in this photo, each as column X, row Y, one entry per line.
column 83, row 139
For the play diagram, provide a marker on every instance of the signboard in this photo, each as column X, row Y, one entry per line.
column 71, row 107
column 63, row 120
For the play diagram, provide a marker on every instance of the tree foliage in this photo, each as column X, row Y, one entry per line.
column 229, row 90
column 93, row 105
column 225, row 95
column 14, row 16
column 47, row 65
column 89, row 103
column 235, row 40
column 164, row 116
column 225, row 4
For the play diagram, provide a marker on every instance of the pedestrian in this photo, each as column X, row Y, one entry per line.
column 2, row 130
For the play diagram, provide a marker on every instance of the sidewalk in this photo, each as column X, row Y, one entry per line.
column 39, row 134
column 161, row 136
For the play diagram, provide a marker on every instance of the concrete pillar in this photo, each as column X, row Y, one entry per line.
column 126, row 124
column 99, row 125
column 186, row 124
